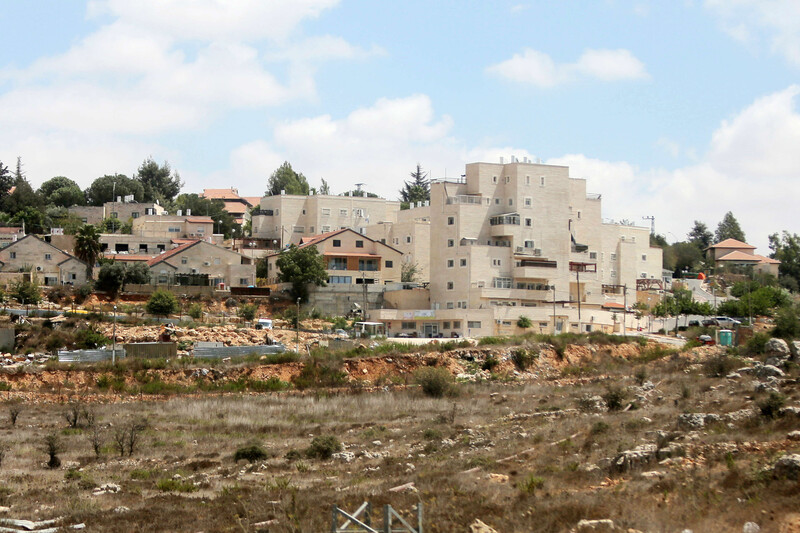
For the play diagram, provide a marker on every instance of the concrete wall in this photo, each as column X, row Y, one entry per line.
column 7, row 340
column 337, row 300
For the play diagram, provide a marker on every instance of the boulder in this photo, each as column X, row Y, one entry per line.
column 787, row 467
column 793, row 435
column 765, row 371
column 751, row 527
column 630, row 459
column 691, row 420
column 586, row 526
column 479, row 527
column 777, row 347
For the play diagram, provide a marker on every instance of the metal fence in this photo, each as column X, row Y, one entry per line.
column 89, row 356
column 220, row 352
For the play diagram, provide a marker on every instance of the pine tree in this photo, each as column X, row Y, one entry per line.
column 700, row 235
column 418, row 189
column 729, row 228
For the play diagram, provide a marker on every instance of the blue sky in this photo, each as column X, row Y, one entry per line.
column 682, row 110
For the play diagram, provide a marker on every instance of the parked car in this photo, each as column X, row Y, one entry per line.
column 727, row 322
column 264, row 323
column 710, row 322
column 694, row 323
column 342, row 334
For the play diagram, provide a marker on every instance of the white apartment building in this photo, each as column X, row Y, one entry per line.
column 524, row 239
column 411, row 234
column 286, row 218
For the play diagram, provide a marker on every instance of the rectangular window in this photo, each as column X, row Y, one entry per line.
column 449, row 305
column 445, row 325
column 451, row 221
column 494, row 179
column 358, row 212
column 592, row 255
column 337, row 263
column 449, row 285
column 304, row 211
column 528, row 222
column 644, row 257
column 370, row 265
column 114, row 215
column 201, row 229
column 450, row 243
column 450, row 263
column 342, row 212
column 337, row 243
column 408, row 239
column 311, row 229
column 326, row 229
column 143, row 248
column 299, row 229
column 501, row 283
column 463, row 262
column 389, row 264
column 497, row 201
column 456, row 324
column 579, row 215
column 528, row 202
column 541, row 181
column 508, row 179
column 341, row 279
column 473, row 324
column 408, row 325
column 184, row 260
column 244, row 281
column 326, row 211
column 359, row 244
column 496, row 262
column 47, row 257
column 135, row 214
column 174, row 230
column 613, row 257
column 12, row 255
column 527, row 180
column 510, row 201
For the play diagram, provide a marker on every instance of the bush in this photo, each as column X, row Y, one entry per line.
column 162, row 302
column 614, row 397
column 719, row 366
column 757, row 344
column 490, row 363
column 434, row 381
column 247, row 311
column 175, row 485
column 195, row 311
column 318, row 373
column 524, row 322
column 771, row 406
column 323, row 447
column 231, row 302
column 89, row 339
column 26, row 292
column 529, row 484
column 52, row 447
column 523, row 358
column 251, row 453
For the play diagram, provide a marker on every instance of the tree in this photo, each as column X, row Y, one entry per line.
column 60, row 217
column 700, row 235
column 286, row 179
column 324, row 188
column 62, row 192
column 110, row 277
column 162, row 302
column 223, row 221
column 22, row 197
column 107, row 188
column 682, row 256
column 409, row 272
column 87, row 247
column 658, row 240
column 786, row 249
column 300, row 267
column 6, row 181
column 137, row 274
column 33, row 218
column 159, row 182
column 26, row 292
column 729, row 228
column 418, row 189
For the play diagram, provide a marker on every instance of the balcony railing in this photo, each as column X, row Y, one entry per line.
column 464, row 199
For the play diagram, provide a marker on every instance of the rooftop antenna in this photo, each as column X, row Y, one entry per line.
column 358, row 188
column 652, row 220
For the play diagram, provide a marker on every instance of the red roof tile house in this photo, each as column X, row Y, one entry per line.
column 45, row 262
column 238, row 206
column 731, row 252
column 200, row 258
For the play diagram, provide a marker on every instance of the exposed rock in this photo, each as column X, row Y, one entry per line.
column 585, row 526
column 592, row 404
column 479, row 526
column 734, row 375
column 345, row 457
column 787, row 467
column 691, row 420
column 634, row 458
column 751, row 527
column 765, row 371
column 498, row 478
column 777, row 347
column 793, row 435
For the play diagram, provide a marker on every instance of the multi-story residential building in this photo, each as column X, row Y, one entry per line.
column 9, row 235
column 175, row 226
column 238, row 206
column 286, row 219
column 732, row 252
column 520, row 239
column 411, row 234
column 42, row 260
column 350, row 259
column 223, row 267
column 124, row 211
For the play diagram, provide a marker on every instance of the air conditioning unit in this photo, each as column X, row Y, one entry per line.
column 537, row 251
column 207, row 263
column 194, row 271
column 38, row 269
column 519, row 249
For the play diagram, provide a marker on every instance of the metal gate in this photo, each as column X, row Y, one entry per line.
column 393, row 522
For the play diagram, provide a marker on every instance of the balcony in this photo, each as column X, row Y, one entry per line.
column 464, row 199
column 534, row 268
column 503, row 225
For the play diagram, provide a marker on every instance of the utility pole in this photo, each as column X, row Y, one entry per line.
column 554, row 309
column 578, row 274
column 114, row 339
column 297, row 328
column 624, row 308
column 364, row 291
column 652, row 220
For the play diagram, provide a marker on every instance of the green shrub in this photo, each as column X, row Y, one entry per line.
column 757, row 344
column 175, row 485
column 524, row 322
column 719, row 366
column 323, row 447
column 251, row 453
column 90, row 338
column 195, row 311
column 270, row 385
column 614, row 397
column 162, row 302
column 5, row 386
column 320, row 373
column 523, row 358
column 771, row 406
column 247, row 311
column 490, row 363
column 599, row 427
column 434, row 381
column 530, row 484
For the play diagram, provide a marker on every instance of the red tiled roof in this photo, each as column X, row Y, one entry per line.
column 11, row 230
column 252, row 200
column 740, row 257
column 732, row 243
column 199, row 220
column 170, row 253
column 221, row 194
column 307, row 241
column 613, row 305
column 767, row 260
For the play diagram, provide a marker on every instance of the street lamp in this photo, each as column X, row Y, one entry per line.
column 114, row 339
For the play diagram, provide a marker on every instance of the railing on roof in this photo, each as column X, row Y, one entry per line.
column 594, row 196
column 466, row 199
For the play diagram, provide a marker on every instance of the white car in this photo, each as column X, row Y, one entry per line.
column 264, row 323
column 727, row 322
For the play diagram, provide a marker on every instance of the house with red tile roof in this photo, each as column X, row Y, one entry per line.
column 732, row 252
column 222, row 267
column 238, row 206
column 45, row 262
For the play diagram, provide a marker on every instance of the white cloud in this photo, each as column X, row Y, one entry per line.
column 669, row 146
column 537, row 68
column 774, row 21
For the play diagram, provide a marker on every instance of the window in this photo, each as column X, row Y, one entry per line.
column 445, row 324
column 463, row 262
column 201, row 229
column 528, row 222
column 501, row 283
column 450, row 243
column 613, row 273
column 12, row 255
column 143, row 248
column 579, row 215
column 304, row 211
column 508, row 179
column 449, row 285
column 342, row 212
column 408, row 239
column 368, row 264
column 527, row 180
column 47, row 257
column 451, row 221
column 184, row 260
column 149, row 211
column 449, row 305
column 337, row 263
column 497, row 201
column 462, row 304
column 528, row 202
column 114, row 215
column 340, row 279
column 326, row 211
column 174, row 230
column 298, row 229
column 408, row 325
column 510, row 201
column 496, row 262
column 85, row 220
column 244, row 281
column 277, row 211
column 456, row 324
column 474, row 324
column 337, row 243
column 494, row 179
column 311, row 229
column 541, row 181
column 359, row 244
column 633, row 239
column 644, row 257
column 529, row 244
column 450, row 263
column 389, row 264
column 326, row 229
column 358, row 212
column 613, row 257
column 161, row 247
column 135, row 214
column 592, row 255
column 395, row 240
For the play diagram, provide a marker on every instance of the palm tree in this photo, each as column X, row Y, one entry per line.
column 87, row 247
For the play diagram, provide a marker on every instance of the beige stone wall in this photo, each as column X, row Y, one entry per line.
column 131, row 210
column 221, row 265
column 90, row 214
column 411, row 235
column 137, row 244
column 42, row 259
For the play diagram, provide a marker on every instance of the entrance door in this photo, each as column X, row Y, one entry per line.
column 430, row 330
column 559, row 326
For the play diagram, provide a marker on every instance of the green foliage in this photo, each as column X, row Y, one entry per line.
column 524, row 322
column 530, row 483
column 409, row 272
column 251, row 453
column 681, row 302
column 786, row 249
column 87, row 247
column 729, row 228
column 162, row 302
column 787, row 323
column 682, row 256
column 434, row 381
column 195, row 311
column 757, row 343
column 175, row 485
column 107, row 188
column 754, row 299
column 301, row 267
column 247, row 311
column 614, row 397
column 523, row 358
column 323, row 447
column 719, row 366
column 26, row 292
column 700, row 236
column 89, row 339
column 320, row 373
column 286, row 179
column 418, row 189
column 490, row 363
column 6, row 182
column 110, row 277
column 771, row 406
column 159, row 182
column 61, row 191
